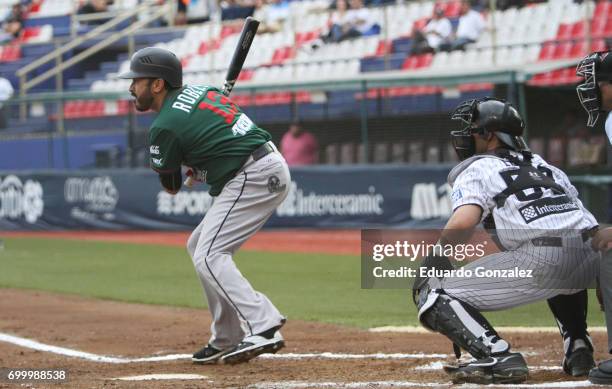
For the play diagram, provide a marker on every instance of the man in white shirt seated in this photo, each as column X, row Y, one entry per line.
column 359, row 20
column 434, row 34
column 471, row 25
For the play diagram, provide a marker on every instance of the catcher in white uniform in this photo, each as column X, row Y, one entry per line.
column 534, row 214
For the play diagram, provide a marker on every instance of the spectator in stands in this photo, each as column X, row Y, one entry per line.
column 360, row 21
column 13, row 24
column 471, row 25
column 272, row 15
column 299, row 147
column 434, row 34
column 348, row 23
column 6, row 91
column 337, row 21
column 92, row 7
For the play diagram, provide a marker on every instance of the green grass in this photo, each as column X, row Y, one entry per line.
column 313, row 287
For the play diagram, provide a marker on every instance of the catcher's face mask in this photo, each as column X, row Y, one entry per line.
column 588, row 92
column 463, row 140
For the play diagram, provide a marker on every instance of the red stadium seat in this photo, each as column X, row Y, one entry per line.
column 282, row 54
column 608, row 29
column 598, row 27
column 29, row 33
column 424, row 60
column 383, row 48
column 577, row 30
column 602, row 10
column 562, row 50
column 69, row 109
column 303, row 97
column 579, row 49
column 541, row 79
column 410, row 62
column 547, row 51
column 123, row 107
column 11, row 53
column 228, row 30
column 185, row 60
column 246, row 74
column 477, row 86
column 598, row 45
column 203, row 48
column 564, row 32
column 564, row 76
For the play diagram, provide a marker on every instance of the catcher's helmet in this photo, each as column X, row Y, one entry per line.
column 487, row 115
column 155, row 62
column 593, row 68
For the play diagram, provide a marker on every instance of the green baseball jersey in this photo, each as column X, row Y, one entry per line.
column 200, row 127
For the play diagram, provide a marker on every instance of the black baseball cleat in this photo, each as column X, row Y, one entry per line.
column 506, row 368
column 602, row 374
column 579, row 363
column 267, row 342
column 209, row 355
column 252, row 346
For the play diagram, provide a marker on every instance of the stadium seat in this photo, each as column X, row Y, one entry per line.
column 433, row 153
column 415, row 152
column 380, row 152
column 347, row 153
column 331, row 153
column 562, row 50
column 398, row 152
column 565, row 32
column 577, row 30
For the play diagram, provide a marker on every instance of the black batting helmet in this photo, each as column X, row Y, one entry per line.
column 487, row 115
column 155, row 62
column 593, row 68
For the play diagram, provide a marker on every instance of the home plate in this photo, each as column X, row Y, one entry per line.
column 150, row 377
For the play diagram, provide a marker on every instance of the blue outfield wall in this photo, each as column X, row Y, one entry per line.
column 73, row 152
column 321, row 196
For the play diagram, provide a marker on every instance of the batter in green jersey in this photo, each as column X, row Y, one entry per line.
column 200, row 128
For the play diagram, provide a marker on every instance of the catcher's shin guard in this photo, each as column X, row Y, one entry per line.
column 461, row 323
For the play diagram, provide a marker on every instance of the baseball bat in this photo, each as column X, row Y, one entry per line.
column 240, row 53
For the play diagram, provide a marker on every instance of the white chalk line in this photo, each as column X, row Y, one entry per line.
column 408, row 384
column 518, row 330
column 34, row 345
column 158, row 377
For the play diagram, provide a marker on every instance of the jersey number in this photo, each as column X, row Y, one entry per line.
column 510, row 175
column 222, row 106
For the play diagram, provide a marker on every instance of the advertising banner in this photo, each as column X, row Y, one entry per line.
column 322, row 196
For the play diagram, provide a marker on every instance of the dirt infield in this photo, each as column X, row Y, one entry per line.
column 103, row 337
column 106, row 328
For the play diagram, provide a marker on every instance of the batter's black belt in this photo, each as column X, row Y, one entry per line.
column 557, row 241
column 263, row 150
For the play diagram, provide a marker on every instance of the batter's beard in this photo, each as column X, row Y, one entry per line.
column 143, row 103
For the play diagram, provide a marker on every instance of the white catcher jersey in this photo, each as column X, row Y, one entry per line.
column 478, row 179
